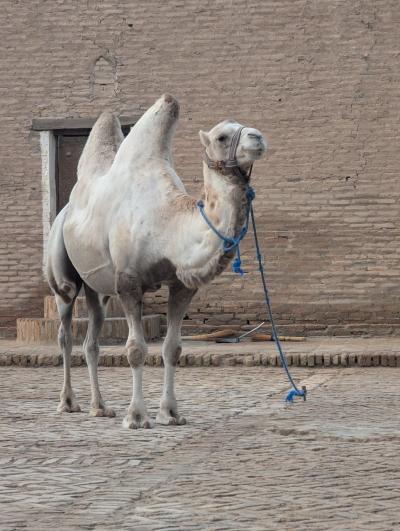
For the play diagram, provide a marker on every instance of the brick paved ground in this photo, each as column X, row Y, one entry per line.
column 316, row 351
column 242, row 462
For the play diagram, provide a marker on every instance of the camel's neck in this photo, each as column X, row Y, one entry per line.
column 225, row 202
column 200, row 250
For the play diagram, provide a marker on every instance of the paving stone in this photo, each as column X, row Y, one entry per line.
column 353, row 359
column 318, row 359
column 303, row 359
column 327, row 359
column 248, row 361
column 257, row 358
column 344, row 359
column 244, row 460
column 313, row 352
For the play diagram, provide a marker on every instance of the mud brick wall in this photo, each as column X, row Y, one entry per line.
column 320, row 78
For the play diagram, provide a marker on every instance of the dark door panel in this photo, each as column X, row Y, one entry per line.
column 69, row 149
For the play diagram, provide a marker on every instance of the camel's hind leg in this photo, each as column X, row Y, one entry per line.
column 65, row 283
column 68, row 401
column 96, row 311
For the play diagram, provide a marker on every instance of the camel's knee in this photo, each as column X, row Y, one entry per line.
column 172, row 350
column 135, row 353
column 172, row 355
column 176, row 355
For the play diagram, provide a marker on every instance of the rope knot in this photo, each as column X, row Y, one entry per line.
column 237, row 266
column 296, row 392
column 250, row 194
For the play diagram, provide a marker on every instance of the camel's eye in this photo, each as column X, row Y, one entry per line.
column 222, row 138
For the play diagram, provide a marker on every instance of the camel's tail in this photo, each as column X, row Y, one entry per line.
column 101, row 147
column 61, row 275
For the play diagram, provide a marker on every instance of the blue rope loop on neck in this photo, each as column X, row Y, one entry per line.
column 229, row 244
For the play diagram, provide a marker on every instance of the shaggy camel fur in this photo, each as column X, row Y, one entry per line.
column 129, row 227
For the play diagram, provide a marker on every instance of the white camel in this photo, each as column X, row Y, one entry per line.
column 130, row 226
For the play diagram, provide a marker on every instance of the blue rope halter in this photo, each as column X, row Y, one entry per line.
column 229, row 244
column 233, row 243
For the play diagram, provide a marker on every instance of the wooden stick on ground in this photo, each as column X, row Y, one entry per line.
column 212, row 335
column 268, row 337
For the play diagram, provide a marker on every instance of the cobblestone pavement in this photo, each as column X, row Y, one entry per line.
column 315, row 351
column 243, row 461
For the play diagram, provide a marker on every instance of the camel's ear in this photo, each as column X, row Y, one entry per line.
column 204, row 138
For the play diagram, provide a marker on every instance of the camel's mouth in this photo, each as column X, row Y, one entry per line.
column 255, row 153
column 254, row 146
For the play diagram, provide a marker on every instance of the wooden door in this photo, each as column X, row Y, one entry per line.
column 69, row 149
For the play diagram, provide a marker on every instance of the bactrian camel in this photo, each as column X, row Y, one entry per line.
column 130, row 227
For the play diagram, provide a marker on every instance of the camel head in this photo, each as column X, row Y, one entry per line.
column 219, row 144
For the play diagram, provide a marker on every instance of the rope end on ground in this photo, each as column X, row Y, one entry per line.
column 296, row 392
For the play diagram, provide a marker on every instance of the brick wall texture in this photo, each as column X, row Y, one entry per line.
column 321, row 79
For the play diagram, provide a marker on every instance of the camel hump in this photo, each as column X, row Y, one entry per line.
column 101, row 146
column 151, row 137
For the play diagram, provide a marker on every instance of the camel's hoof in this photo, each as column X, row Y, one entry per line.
column 170, row 419
column 68, row 407
column 134, row 422
column 102, row 412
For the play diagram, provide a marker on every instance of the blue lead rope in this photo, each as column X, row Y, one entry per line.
column 233, row 243
column 295, row 391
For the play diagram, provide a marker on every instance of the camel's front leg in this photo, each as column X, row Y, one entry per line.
column 179, row 300
column 130, row 294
